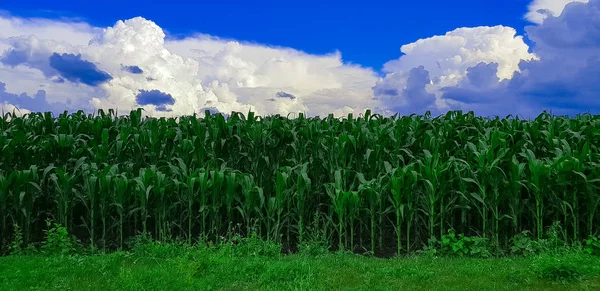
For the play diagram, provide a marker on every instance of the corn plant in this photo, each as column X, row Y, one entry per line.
column 377, row 183
column 403, row 183
column 301, row 195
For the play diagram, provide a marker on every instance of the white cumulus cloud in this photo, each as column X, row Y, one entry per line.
column 256, row 73
column 188, row 75
column 564, row 79
column 444, row 61
column 65, row 65
column 539, row 10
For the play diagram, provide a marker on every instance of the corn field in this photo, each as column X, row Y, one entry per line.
column 364, row 183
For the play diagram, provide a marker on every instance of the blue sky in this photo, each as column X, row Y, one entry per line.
column 493, row 57
column 367, row 32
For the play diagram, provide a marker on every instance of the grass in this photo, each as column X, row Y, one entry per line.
column 173, row 268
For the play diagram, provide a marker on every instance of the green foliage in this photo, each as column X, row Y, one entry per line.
column 313, row 248
column 524, row 245
column 432, row 249
column 58, row 241
column 561, row 273
column 16, row 246
column 252, row 246
column 592, row 245
column 160, row 250
column 554, row 237
column 382, row 185
column 459, row 245
column 207, row 269
column 139, row 241
column 317, row 242
column 551, row 242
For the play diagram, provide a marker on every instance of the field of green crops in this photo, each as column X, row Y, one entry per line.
column 364, row 183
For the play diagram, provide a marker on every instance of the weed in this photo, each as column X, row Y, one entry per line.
column 592, row 245
column 524, row 245
column 15, row 247
column 560, row 273
column 58, row 241
column 431, row 249
column 317, row 243
column 458, row 245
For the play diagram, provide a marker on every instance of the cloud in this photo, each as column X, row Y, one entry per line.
column 451, row 54
column 576, row 30
column 155, row 97
column 414, row 82
column 25, row 102
column 483, row 75
column 539, row 10
column 60, row 65
column 320, row 83
column 198, row 72
column 485, row 71
column 14, row 58
column 25, row 79
column 481, row 92
column 564, row 78
column 76, row 70
column 133, row 69
column 475, row 89
column 73, row 32
column 282, row 94
column 32, row 52
column 413, row 97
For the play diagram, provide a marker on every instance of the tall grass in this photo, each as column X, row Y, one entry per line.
column 377, row 183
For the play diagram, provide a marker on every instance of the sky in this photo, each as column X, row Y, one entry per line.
column 362, row 32
column 516, row 57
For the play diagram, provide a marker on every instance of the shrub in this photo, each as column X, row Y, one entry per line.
column 460, row 245
column 592, row 245
column 58, row 241
column 316, row 243
column 523, row 245
column 15, row 247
